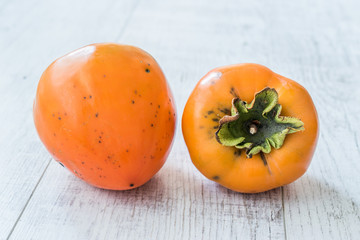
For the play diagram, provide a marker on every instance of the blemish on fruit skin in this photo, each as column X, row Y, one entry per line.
column 152, row 125
column 99, row 141
column 90, row 96
column 127, row 150
column 82, row 162
column 131, row 185
column 96, row 114
column 132, row 101
column 215, row 127
column 237, row 152
column 59, row 118
column 225, row 111
column 104, row 76
column 210, row 112
column 215, row 177
column 84, row 97
column 215, row 119
column 233, row 92
column 147, row 70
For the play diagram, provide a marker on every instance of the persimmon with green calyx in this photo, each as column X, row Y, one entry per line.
column 250, row 129
column 106, row 113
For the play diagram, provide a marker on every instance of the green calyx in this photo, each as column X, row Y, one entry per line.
column 257, row 126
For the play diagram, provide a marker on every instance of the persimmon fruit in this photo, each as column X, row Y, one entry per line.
column 250, row 129
column 106, row 113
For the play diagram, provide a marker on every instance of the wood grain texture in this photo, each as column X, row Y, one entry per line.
column 314, row 43
column 32, row 34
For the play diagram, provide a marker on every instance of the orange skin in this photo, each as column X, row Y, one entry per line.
column 209, row 102
column 106, row 113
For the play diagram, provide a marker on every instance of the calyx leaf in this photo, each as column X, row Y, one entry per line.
column 257, row 126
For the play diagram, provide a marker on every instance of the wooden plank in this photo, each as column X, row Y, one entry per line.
column 32, row 35
column 187, row 39
column 321, row 52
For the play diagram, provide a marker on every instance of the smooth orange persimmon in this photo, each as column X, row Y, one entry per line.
column 250, row 129
column 105, row 112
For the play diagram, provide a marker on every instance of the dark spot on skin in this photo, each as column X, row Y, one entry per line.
column 225, row 110
column 155, row 115
column 99, row 141
column 216, row 177
column 215, row 119
column 169, row 119
column 205, row 116
column 148, row 64
column 143, row 130
column 152, row 125
column 169, row 112
column 82, row 162
column 151, row 103
column 84, row 97
column 160, row 149
column 132, row 101
column 237, row 152
column 59, row 118
column 104, row 75
column 127, row 150
column 139, row 95
column 152, row 157
column 99, row 136
column 100, row 176
column 61, row 164
column 216, row 127
column 174, row 114
column 54, row 134
column 158, row 106
column 131, row 185
column 147, row 70
column 210, row 112
column 233, row 92
column 96, row 114
column 135, row 92
column 53, row 115
column 90, row 96
column 65, row 114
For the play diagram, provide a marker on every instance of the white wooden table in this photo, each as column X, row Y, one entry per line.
column 317, row 43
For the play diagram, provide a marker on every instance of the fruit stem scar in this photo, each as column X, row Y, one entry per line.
column 253, row 129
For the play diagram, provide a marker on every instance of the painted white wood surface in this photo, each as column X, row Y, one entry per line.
column 317, row 43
